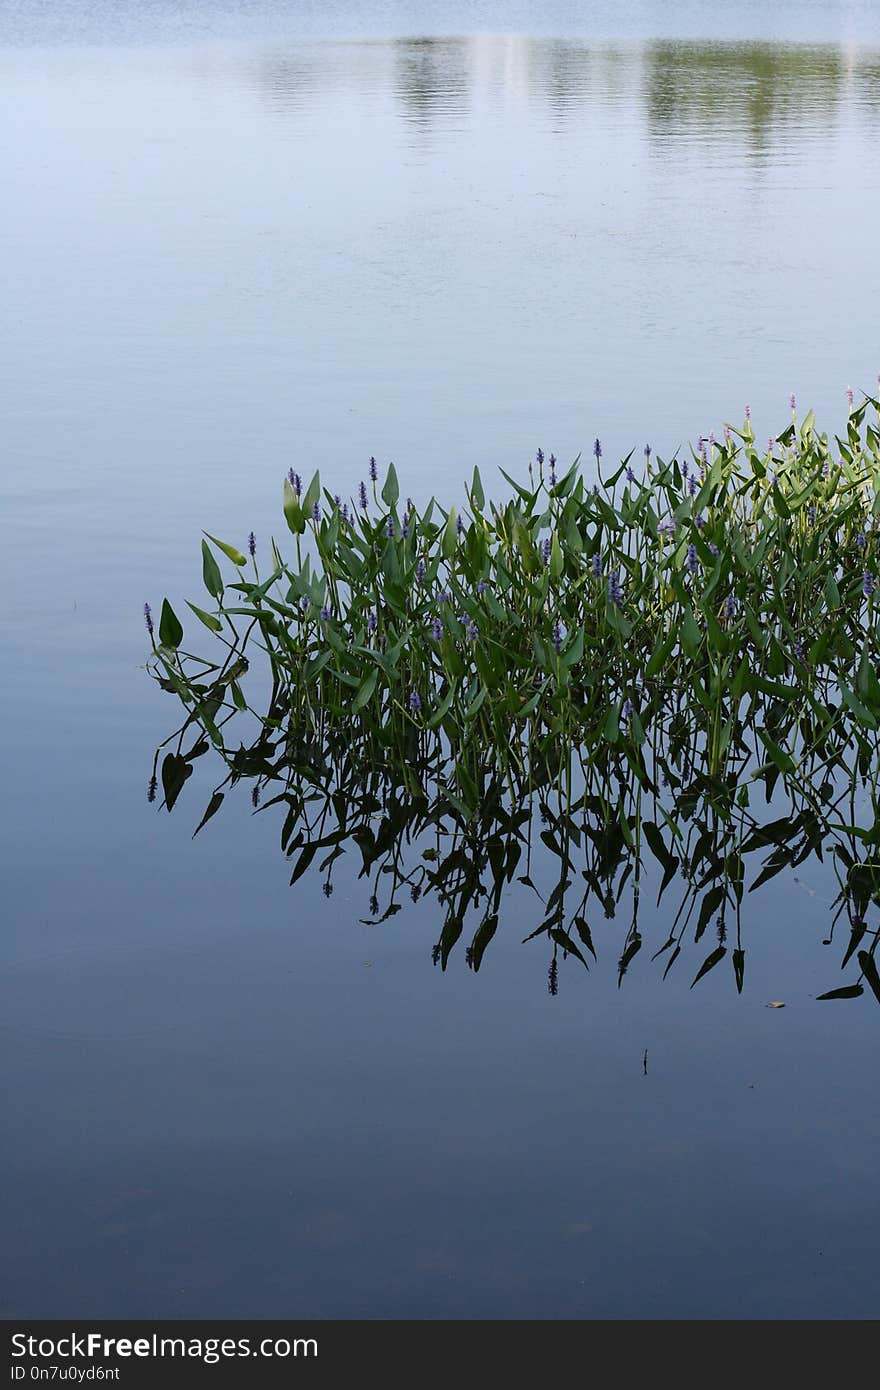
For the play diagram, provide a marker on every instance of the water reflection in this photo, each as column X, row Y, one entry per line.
column 743, row 91
column 433, row 78
column 662, row 837
column 722, row 91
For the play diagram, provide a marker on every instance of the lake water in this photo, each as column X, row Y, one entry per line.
column 236, row 241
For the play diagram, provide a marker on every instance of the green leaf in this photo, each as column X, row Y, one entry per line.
column 575, row 649
column 850, row 699
column 312, row 495
column 213, row 624
column 211, row 573
column 477, row 494
column 391, row 487
column 442, row 709
column 367, row 688
column 450, row 535
column 293, row 512
column 170, row 631
column 832, row 593
column 234, row 555
column 556, row 561
column 691, row 636
column 778, row 755
column 660, row 655
column 475, row 703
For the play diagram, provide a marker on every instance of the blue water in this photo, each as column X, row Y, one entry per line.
column 236, row 240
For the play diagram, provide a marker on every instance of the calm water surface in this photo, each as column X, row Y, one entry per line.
column 232, row 243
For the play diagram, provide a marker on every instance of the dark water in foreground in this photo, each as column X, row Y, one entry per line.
column 226, row 1097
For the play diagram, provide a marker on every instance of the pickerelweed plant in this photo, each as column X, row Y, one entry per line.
column 640, row 651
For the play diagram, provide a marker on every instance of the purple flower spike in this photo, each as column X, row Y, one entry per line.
column 151, row 789
column 699, row 521
column 748, row 412
column 389, row 528
column 305, row 603
column 713, row 548
column 597, row 565
column 799, row 650
column 437, row 629
column 415, row 702
column 861, row 540
column 615, row 593
column 728, row 434
column 443, row 596
column 597, row 450
column 346, row 514
column 252, row 545
column 850, row 397
column 685, row 468
column 337, row 500
column 316, row 512
column 545, row 549
column 472, row 632
column 459, row 525
column 540, row 456
column 482, row 587
column 372, row 622
column 630, row 475
column 326, row 615
column 374, row 472
column 667, row 527
column 420, row 571
column 792, row 400
column 362, row 496
column 404, row 528
column 811, row 516
column 867, row 583
column 647, row 451
column 692, row 485
column 552, row 470
column 148, row 618
column 730, row 606
column 296, row 483
column 692, row 562
column 557, row 638
column 771, row 444
column 826, row 468
column 628, row 708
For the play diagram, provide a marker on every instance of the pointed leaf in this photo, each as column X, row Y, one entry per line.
column 234, row 555
column 170, row 631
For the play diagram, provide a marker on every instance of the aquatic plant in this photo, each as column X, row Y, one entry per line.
column 471, row 662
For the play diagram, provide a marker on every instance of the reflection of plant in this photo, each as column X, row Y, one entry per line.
column 634, row 659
